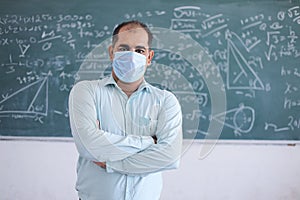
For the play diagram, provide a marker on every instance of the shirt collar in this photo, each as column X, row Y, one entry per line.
column 110, row 81
column 144, row 85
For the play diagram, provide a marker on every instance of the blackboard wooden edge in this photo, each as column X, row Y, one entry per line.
column 248, row 142
column 41, row 139
column 186, row 141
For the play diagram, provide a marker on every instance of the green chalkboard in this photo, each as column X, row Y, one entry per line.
column 234, row 65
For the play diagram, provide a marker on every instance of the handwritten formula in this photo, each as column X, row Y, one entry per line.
column 255, row 50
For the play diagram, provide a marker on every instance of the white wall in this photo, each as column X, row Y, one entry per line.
column 46, row 170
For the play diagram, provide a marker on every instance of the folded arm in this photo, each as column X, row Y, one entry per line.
column 161, row 156
column 92, row 142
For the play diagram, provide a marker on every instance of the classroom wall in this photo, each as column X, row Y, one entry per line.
column 46, row 170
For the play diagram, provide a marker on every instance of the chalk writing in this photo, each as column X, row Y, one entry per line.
column 255, row 50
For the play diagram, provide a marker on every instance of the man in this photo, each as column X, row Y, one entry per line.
column 126, row 130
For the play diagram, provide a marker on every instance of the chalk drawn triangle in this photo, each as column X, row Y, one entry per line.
column 240, row 119
column 31, row 99
column 240, row 75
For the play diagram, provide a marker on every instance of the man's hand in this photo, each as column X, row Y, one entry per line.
column 101, row 164
column 154, row 138
column 98, row 123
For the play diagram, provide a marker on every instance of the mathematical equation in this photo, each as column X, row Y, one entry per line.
column 256, row 56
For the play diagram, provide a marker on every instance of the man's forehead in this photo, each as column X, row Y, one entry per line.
column 131, row 27
column 127, row 33
column 135, row 29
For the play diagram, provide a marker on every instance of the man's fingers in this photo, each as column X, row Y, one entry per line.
column 98, row 123
column 101, row 164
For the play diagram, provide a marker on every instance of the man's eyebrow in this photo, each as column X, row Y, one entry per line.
column 124, row 45
column 140, row 47
column 136, row 47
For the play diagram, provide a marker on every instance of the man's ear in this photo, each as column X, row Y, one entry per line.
column 110, row 51
column 150, row 56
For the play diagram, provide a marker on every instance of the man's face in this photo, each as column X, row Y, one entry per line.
column 132, row 39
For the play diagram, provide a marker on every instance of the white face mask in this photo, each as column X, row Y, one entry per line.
column 129, row 66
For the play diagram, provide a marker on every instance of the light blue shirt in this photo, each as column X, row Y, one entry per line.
column 134, row 163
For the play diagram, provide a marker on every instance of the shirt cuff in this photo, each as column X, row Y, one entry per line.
column 146, row 142
column 108, row 168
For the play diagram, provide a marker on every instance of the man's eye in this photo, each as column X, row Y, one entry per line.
column 123, row 49
column 141, row 51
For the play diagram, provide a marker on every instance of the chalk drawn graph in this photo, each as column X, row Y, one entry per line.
column 36, row 104
column 240, row 119
column 240, row 75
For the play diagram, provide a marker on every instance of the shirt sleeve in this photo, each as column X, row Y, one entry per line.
column 161, row 156
column 92, row 142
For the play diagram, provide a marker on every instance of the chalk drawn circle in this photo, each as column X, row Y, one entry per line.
column 95, row 65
